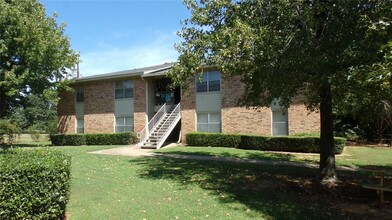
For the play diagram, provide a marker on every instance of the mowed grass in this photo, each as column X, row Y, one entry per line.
column 352, row 156
column 119, row 187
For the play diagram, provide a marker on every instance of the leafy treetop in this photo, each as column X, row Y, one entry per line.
column 34, row 53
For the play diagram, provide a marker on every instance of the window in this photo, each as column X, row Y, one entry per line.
column 209, row 122
column 124, row 89
column 280, row 122
column 79, row 94
column 124, row 124
column 80, row 125
column 210, row 82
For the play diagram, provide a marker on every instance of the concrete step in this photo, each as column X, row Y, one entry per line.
column 148, row 147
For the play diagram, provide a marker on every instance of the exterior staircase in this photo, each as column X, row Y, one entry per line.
column 160, row 126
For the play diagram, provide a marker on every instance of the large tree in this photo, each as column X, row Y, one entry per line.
column 34, row 53
column 37, row 113
column 284, row 49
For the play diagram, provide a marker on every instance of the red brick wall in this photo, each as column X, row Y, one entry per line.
column 66, row 113
column 239, row 119
column 188, row 110
column 99, row 107
column 302, row 120
column 140, row 115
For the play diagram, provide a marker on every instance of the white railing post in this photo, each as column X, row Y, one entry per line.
column 177, row 114
column 143, row 135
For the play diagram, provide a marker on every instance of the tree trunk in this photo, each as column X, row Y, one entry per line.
column 3, row 104
column 327, row 147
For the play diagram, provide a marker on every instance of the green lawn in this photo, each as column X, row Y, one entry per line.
column 352, row 156
column 118, row 187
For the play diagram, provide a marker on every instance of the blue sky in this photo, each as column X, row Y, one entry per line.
column 115, row 35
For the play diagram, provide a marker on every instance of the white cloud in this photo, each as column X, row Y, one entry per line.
column 109, row 58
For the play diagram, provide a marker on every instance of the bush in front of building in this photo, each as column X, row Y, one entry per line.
column 304, row 144
column 34, row 184
column 68, row 139
column 93, row 139
column 213, row 139
column 111, row 139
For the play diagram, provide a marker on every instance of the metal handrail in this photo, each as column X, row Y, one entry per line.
column 143, row 135
column 177, row 110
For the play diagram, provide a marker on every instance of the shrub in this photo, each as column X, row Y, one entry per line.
column 51, row 127
column 288, row 143
column 306, row 144
column 213, row 139
column 68, row 139
column 8, row 129
column 34, row 134
column 306, row 134
column 93, row 139
column 111, row 139
column 34, row 184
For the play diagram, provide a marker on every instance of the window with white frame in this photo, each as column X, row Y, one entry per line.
column 209, row 82
column 209, row 122
column 124, row 89
column 124, row 123
column 80, row 125
column 79, row 94
column 280, row 122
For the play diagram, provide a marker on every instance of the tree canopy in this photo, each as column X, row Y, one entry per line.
column 37, row 114
column 282, row 49
column 34, row 53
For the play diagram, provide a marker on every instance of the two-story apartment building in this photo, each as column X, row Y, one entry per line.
column 141, row 100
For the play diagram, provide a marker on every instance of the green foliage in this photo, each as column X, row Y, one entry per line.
column 311, row 134
column 93, row 139
column 52, row 127
column 34, row 135
column 34, row 184
column 213, row 139
column 36, row 114
column 8, row 129
column 68, row 139
column 285, row 49
column 296, row 45
column 111, row 139
column 305, row 144
column 34, row 53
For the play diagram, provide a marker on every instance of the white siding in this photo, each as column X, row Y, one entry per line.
column 79, row 109
column 208, row 102
column 123, row 107
column 279, row 123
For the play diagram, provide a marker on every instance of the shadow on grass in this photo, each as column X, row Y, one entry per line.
column 277, row 192
column 255, row 155
column 372, row 168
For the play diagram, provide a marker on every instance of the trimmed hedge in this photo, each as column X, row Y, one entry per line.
column 288, row 143
column 252, row 142
column 213, row 139
column 34, row 184
column 68, row 139
column 93, row 139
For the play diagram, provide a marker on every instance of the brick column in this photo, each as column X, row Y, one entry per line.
column 66, row 113
column 188, row 110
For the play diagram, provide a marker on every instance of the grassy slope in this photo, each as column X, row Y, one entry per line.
column 115, row 187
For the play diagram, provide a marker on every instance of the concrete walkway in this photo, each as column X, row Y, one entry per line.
column 131, row 151
column 136, row 151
